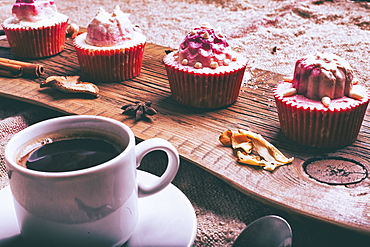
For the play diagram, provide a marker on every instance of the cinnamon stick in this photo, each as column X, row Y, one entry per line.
column 10, row 70
column 14, row 68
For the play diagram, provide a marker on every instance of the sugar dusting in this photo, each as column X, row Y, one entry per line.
column 272, row 35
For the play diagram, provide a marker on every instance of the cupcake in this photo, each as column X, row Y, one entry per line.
column 323, row 106
column 112, row 49
column 36, row 29
column 204, row 72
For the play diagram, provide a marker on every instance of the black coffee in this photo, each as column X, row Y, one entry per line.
column 71, row 155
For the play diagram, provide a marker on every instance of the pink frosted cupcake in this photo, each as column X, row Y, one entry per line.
column 36, row 29
column 204, row 72
column 111, row 49
column 323, row 106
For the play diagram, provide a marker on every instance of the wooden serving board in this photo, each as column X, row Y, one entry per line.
column 195, row 133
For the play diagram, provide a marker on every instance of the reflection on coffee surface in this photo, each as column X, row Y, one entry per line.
column 69, row 152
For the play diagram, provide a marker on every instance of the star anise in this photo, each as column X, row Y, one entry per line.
column 139, row 109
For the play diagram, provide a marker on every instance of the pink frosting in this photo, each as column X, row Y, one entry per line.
column 205, row 45
column 32, row 10
column 109, row 29
column 322, row 75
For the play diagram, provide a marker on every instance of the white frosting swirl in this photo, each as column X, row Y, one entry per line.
column 34, row 10
column 109, row 29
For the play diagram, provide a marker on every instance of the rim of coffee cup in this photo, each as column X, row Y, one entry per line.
column 11, row 155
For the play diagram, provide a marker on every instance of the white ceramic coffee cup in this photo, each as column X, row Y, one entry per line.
column 95, row 206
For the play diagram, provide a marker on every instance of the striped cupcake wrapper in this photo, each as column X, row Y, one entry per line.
column 110, row 65
column 39, row 42
column 204, row 90
column 330, row 128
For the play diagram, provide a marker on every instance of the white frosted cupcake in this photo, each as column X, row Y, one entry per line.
column 205, row 72
column 36, row 29
column 111, row 49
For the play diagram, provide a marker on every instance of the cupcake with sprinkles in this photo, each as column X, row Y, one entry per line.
column 323, row 105
column 204, row 72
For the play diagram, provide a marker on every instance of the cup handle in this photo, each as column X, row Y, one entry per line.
column 169, row 174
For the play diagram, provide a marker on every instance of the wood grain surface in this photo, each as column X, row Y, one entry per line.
column 195, row 133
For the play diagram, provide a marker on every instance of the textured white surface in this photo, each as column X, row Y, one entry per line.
column 273, row 34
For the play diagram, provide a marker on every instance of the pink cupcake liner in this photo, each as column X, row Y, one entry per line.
column 39, row 42
column 204, row 90
column 110, row 65
column 329, row 128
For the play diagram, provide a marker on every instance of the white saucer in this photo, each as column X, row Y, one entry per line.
column 165, row 219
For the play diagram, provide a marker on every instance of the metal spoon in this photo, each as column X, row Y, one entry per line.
column 268, row 231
